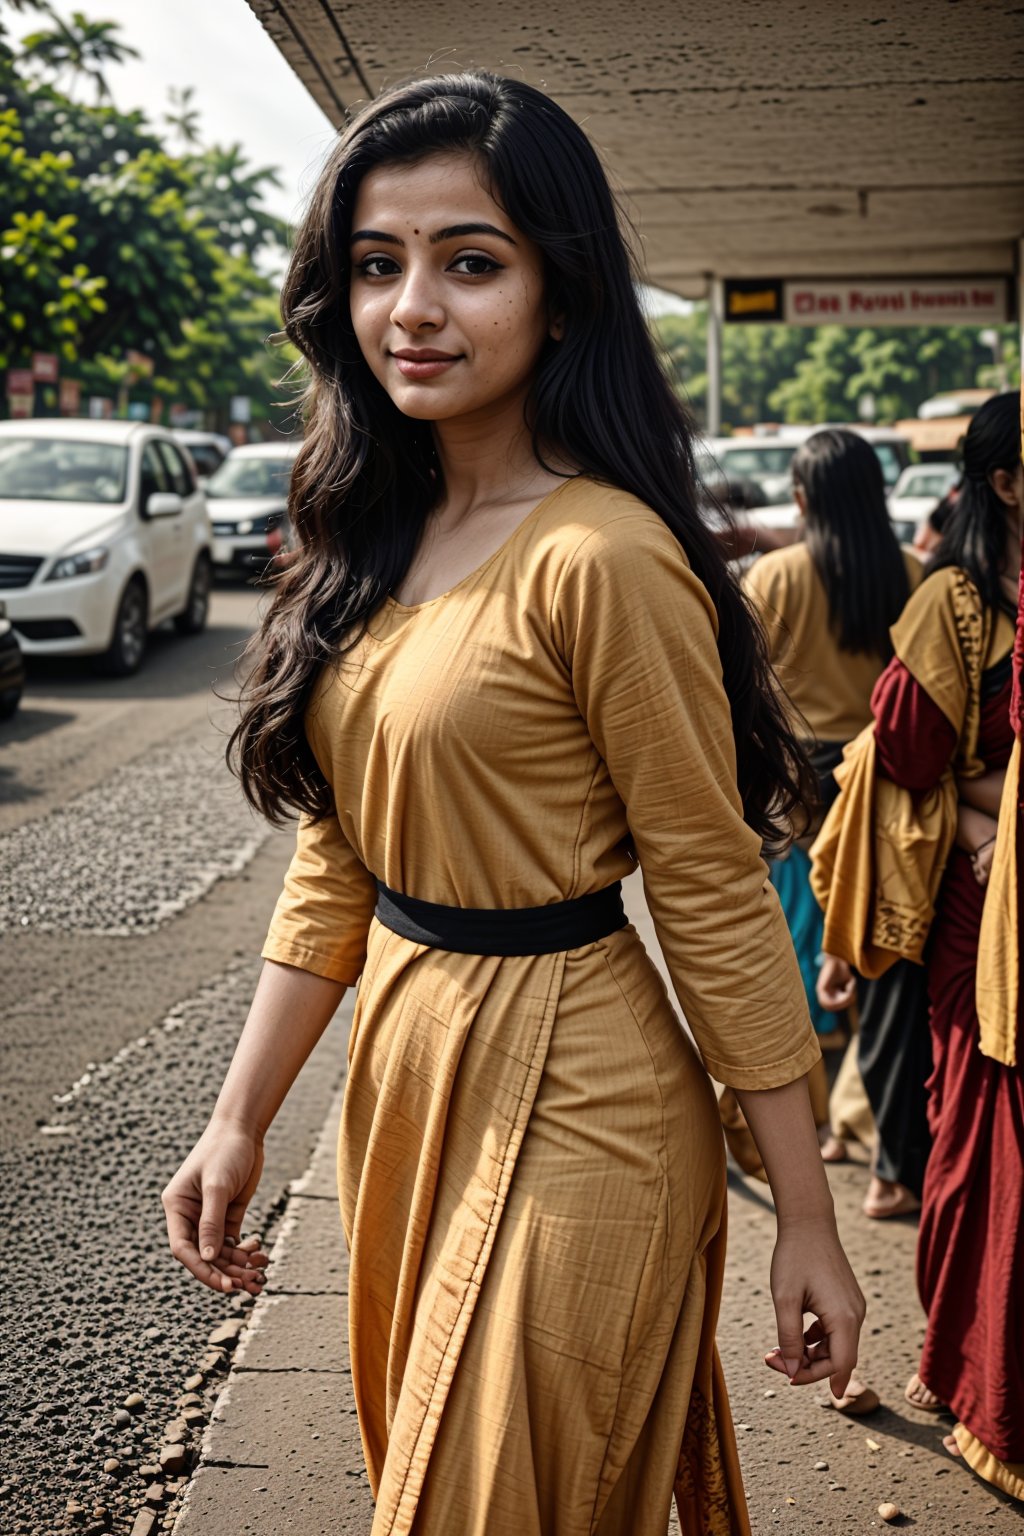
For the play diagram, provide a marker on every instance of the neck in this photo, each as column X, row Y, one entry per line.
column 486, row 457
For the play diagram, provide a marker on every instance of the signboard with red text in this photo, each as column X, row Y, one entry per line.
column 930, row 301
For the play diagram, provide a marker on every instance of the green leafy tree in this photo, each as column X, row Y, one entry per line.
column 111, row 245
column 77, row 49
column 229, row 194
column 183, row 118
column 795, row 374
column 49, row 297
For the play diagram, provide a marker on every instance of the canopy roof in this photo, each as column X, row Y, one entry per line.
column 749, row 138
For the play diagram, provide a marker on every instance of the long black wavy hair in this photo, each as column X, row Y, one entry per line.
column 367, row 476
column 850, row 538
column 974, row 537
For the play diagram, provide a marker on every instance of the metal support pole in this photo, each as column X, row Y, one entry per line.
column 716, row 319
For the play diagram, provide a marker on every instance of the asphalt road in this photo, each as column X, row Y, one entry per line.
column 135, row 890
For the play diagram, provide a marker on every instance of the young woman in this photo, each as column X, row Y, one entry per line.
column 827, row 604
column 970, row 1266
column 508, row 664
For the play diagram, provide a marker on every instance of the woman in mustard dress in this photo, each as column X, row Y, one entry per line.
column 507, row 665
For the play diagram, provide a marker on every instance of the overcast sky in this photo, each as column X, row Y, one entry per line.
column 245, row 92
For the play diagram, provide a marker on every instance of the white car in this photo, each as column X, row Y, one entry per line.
column 248, row 501
column 918, row 491
column 208, row 449
column 103, row 535
column 764, row 460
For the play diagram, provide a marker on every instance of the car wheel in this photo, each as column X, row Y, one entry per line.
column 128, row 646
column 192, row 619
column 9, row 701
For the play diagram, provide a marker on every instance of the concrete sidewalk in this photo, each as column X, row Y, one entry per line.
column 281, row 1455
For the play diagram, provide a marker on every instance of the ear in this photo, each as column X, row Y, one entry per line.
column 800, row 497
column 1007, row 486
column 556, row 327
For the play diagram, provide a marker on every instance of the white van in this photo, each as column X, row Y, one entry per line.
column 103, row 535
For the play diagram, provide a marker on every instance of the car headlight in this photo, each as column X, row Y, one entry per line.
column 265, row 524
column 80, row 565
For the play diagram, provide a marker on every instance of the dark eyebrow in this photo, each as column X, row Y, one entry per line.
column 452, row 232
column 457, row 231
column 377, row 236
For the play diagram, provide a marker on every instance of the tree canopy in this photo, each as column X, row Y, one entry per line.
column 113, row 246
column 791, row 373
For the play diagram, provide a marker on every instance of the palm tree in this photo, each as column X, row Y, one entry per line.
column 183, row 117
column 78, row 47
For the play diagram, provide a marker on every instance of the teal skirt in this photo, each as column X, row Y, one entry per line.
column 791, row 877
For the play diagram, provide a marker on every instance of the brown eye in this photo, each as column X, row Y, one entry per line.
column 475, row 266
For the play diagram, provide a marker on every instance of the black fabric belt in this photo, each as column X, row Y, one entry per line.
column 503, row 930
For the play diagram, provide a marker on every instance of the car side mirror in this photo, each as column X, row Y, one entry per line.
column 164, row 504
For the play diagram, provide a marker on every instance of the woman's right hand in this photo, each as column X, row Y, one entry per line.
column 205, row 1204
column 837, row 985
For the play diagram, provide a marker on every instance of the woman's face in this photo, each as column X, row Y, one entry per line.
column 447, row 296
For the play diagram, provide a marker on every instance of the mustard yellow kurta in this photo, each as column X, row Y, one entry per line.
column 531, row 1168
column 829, row 689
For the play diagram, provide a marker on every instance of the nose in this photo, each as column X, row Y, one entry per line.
column 417, row 304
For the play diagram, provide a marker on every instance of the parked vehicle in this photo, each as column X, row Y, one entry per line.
column 12, row 668
column 248, row 500
column 917, row 493
column 208, row 449
column 103, row 535
column 764, row 458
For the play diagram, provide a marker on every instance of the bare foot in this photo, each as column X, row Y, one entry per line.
column 949, row 1441
column 918, row 1395
column 832, row 1149
column 885, row 1199
column 858, row 1399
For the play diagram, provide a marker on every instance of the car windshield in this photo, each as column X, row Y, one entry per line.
column 244, row 476
column 927, row 482
column 889, row 458
column 53, row 469
column 765, row 464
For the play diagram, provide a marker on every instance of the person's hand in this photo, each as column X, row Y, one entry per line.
column 981, row 860
column 811, row 1274
column 205, row 1203
column 836, row 986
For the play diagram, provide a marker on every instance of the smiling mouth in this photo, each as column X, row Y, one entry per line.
column 424, row 363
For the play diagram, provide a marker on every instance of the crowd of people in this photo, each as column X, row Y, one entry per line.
column 898, row 667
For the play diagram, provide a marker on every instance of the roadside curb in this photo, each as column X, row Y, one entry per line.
column 281, row 1454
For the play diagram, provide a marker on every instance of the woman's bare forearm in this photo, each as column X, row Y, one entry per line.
column 290, row 1011
column 983, row 794
column 974, row 828
column 783, row 1127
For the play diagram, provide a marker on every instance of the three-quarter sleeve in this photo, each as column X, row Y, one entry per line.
column 638, row 631
column 323, row 914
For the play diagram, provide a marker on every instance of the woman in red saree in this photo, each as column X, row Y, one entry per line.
column 970, row 1265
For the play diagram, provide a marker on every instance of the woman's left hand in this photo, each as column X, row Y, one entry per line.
column 811, row 1274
